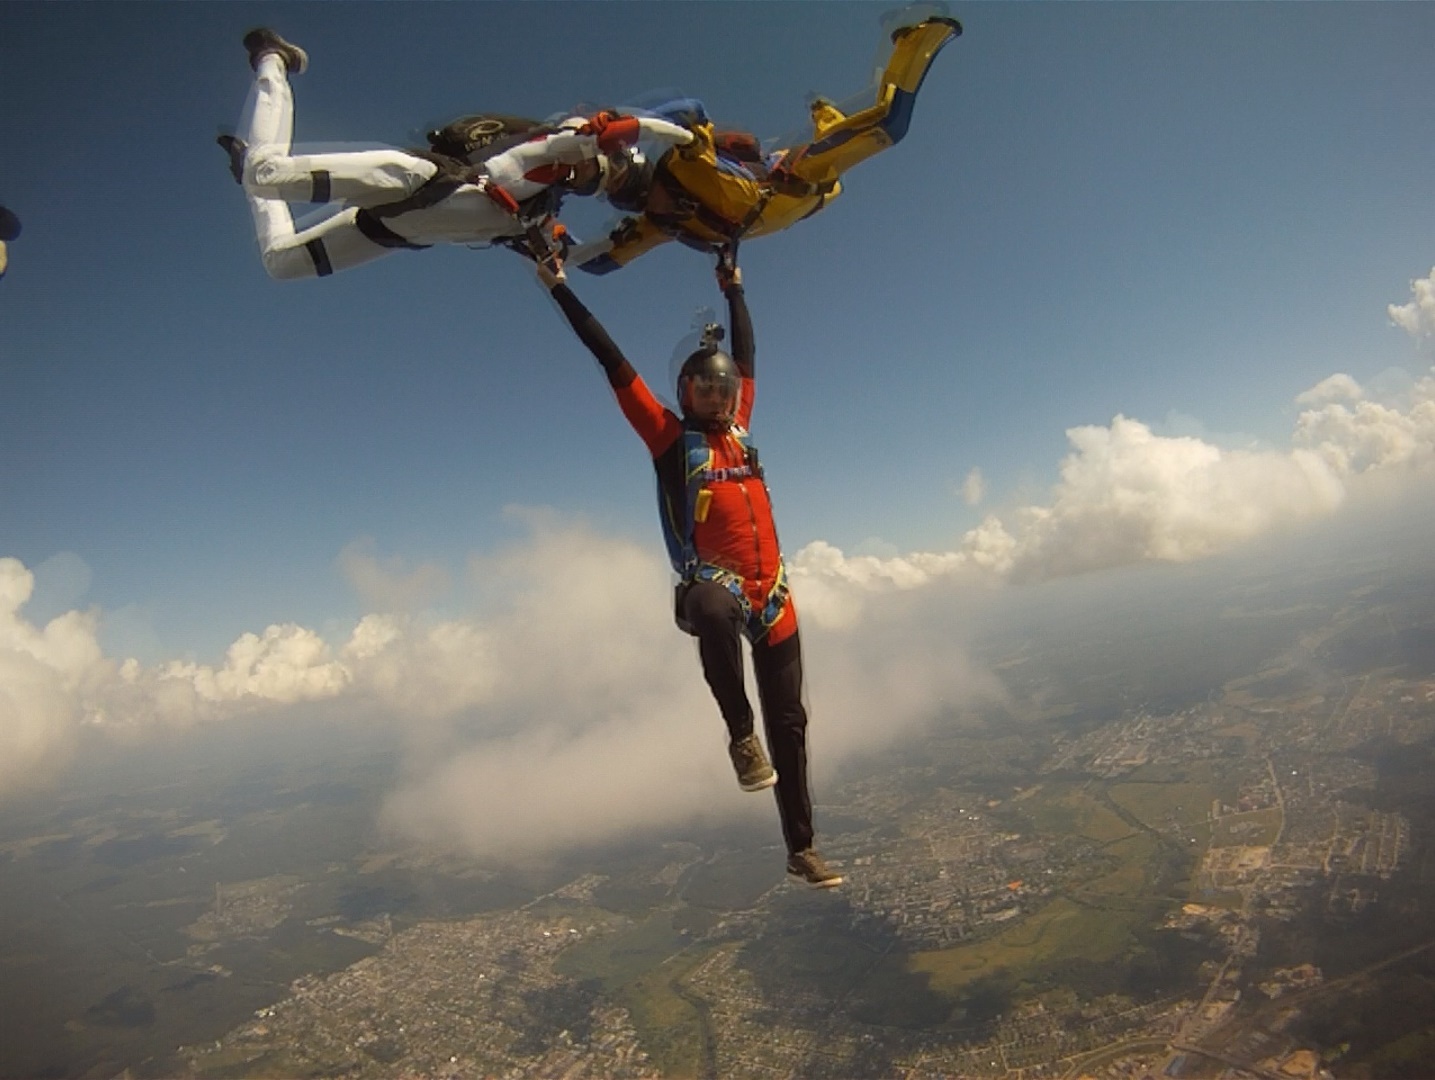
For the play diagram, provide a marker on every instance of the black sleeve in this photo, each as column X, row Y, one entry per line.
column 740, row 326
column 591, row 333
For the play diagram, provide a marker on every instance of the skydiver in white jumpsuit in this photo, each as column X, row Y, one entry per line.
column 392, row 199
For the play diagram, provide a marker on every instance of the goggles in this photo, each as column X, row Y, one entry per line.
column 706, row 383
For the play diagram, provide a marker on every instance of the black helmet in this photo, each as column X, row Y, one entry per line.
column 627, row 175
column 709, row 382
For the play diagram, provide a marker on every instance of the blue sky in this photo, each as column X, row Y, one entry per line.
column 1145, row 209
column 1186, row 215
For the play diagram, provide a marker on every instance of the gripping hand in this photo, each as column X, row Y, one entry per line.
column 612, row 130
column 728, row 273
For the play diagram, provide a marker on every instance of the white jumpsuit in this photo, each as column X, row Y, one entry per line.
column 361, row 180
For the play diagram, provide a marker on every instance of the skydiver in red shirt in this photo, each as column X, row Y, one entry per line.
column 717, row 521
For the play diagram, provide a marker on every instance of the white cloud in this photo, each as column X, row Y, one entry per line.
column 285, row 664
column 588, row 717
column 1336, row 387
column 1369, row 435
column 388, row 584
column 598, row 722
column 45, row 674
column 569, row 710
column 903, row 667
column 830, row 585
column 1127, row 495
column 421, row 668
column 542, row 786
column 1416, row 317
column 974, row 488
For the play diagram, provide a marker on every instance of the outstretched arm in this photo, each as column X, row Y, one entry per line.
column 589, row 330
column 526, row 169
column 739, row 321
column 740, row 328
column 654, row 424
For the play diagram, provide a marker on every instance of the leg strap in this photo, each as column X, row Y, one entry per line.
column 369, row 224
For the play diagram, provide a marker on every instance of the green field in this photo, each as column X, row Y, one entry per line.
column 1259, row 828
column 1062, row 930
column 1073, row 809
column 641, row 967
column 1144, row 825
column 1159, row 806
column 672, row 1027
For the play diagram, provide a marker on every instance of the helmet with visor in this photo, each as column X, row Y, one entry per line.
column 709, row 382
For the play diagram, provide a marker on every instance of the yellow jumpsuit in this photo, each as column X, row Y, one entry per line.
column 697, row 202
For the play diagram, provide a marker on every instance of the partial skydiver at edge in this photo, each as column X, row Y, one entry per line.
column 9, row 230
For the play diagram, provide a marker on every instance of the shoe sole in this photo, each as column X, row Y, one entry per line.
column 761, row 785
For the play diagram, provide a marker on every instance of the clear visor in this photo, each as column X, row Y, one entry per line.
column 711, row 394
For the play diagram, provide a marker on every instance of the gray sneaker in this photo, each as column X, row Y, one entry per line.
column 753, row 770
column 808, row 866
column 262, row 40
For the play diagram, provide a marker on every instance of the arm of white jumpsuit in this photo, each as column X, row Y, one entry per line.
column 528, row 168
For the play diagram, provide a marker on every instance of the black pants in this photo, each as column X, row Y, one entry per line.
column 717, row 621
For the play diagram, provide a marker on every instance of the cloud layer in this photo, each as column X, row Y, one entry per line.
column 1128, row 495
column 569, row 710
column 565, row 709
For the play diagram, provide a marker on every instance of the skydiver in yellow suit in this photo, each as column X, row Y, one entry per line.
column 722, row 187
